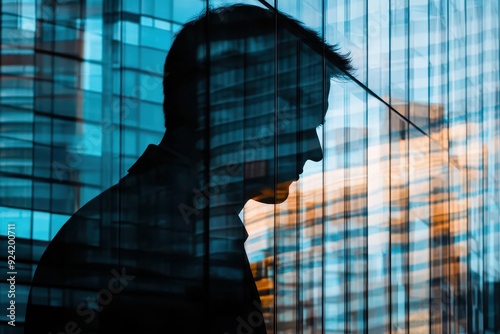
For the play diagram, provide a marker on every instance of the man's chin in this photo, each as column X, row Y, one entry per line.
column 274, row 196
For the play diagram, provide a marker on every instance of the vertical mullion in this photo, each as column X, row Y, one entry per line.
column 429, row 162
column 467, row 166
column 52, row 99
column 32, row 204
column 347, row 195
column 323, row 164
column 406, row 187
column 206, row 173
column 275, row 227
column 347, row 241
column 365, row 170
column 298, row 246
column 389, row 117
column 448, row 237
column 483, row 200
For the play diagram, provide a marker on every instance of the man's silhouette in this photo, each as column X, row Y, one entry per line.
column 163, row 250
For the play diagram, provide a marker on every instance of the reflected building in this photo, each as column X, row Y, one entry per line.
column 395, row 231
column 379, row 254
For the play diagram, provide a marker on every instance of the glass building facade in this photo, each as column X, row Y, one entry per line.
column 395, row 230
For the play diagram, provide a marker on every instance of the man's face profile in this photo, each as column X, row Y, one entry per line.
column 302, row 102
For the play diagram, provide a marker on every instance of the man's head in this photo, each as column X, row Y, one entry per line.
column 251, row 86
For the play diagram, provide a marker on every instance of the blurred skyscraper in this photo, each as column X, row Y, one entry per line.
column 396, row 230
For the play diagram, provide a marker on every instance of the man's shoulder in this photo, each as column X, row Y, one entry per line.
column 137, row 199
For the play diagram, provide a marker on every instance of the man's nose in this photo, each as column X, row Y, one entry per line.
column 313, row 150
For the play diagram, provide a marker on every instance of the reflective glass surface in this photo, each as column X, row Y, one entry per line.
column 370, row 197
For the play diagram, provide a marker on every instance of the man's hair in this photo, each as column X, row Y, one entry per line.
column 186, row 60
